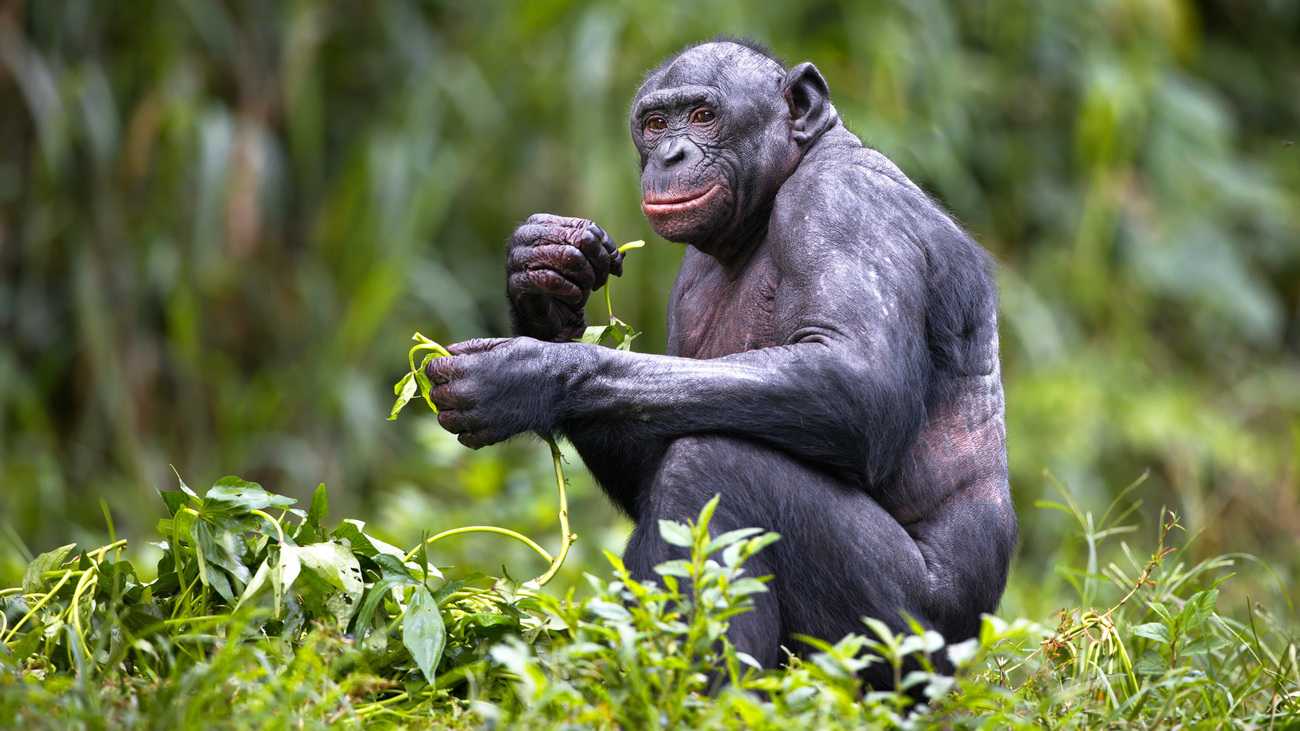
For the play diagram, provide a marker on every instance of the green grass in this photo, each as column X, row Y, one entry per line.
column 260, row 615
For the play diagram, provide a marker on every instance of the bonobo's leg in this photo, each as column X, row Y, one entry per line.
column 840, row 557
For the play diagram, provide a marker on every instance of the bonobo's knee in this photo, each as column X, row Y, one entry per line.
column 695, row 468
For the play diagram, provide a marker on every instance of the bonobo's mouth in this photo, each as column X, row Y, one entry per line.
column 658, row 206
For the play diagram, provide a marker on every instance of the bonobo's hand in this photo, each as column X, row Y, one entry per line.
column 553, row 265
column 492, row 389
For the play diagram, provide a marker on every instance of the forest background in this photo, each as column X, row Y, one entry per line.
column 220, row 222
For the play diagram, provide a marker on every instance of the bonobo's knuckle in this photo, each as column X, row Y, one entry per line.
column 538, row 219
column 552, row 284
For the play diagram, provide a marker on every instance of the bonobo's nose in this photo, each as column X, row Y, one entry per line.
column 672, row 152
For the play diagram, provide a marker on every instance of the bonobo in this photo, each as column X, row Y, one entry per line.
column 832, row 365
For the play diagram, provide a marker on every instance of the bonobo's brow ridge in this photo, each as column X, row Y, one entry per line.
column 674, row 98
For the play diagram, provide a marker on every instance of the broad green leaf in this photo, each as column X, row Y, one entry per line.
column 366, row 545
column 594, row 334
column 674, row 533
column 1199, row 608
column 405, row 390
column 1204, row 645
column 374, row 596
column 259, row 580
column 174, row 500
column 1153, row 631
column 730, row 537
column 1161, row 610
column 48, row 561
column 747, row 586
column 423, row 632
column 330, row 578
column 216, row 547
column 1151, row 663
column 233, row 496
column 609, row 610
column 680, row 567
column 319, row 509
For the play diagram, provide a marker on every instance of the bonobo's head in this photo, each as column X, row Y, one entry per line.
column 720, row 127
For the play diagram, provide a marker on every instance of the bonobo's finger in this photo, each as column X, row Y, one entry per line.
column 441, row 371
column 547, row 219
column 562, row 258
column 477, row 345
column 549, row 283
column 610, row 248
column 458, row 422
column 478, row 439
column 448, row 396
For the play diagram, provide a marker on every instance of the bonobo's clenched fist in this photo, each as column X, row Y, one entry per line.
column 553, row 265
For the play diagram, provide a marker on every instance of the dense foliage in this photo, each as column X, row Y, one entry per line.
column 257, row 621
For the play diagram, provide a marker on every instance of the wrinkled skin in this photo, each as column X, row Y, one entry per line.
column 832, row 365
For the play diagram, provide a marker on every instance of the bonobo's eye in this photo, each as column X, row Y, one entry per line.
column 703, row 117
column 656, row 123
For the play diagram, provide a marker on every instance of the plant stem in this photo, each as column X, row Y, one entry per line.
column 278, row 531
column 482, row 529
column 567, row 538
column 32, row 612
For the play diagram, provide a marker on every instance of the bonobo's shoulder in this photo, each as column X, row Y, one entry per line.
column 847, row 170
column 847, row 194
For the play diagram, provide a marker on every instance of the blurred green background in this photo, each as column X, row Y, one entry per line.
column 220, row 222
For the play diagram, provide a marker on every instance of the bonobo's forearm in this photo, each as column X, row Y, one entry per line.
column 812, row 400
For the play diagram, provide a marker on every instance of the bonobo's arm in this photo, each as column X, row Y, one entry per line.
column 846, row 390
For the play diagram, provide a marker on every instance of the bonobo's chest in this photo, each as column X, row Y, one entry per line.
column 717, row 316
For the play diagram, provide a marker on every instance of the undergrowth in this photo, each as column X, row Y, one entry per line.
column 260, row 615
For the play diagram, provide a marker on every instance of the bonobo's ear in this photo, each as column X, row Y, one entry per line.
column 809, row 100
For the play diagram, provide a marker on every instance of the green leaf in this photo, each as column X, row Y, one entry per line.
column 174, row 500
column 368, row 546
column 1151, row 663
column 730, row 537
column 1199, row 608
column 706, row 513
column 594, row 334
column 319, row 509
column 216, row 547
column 674, row 533
column 609, row 610
column 425, row 386
column 1153, row 631
column 374, row 596
column 260, row 579
column 233, row 496
column 747, row 586
column 423, row 632
column 679, row 567
column 1204, row 645
column 330, row 579
column 1161, row 610
column 48, row 561
column 405, row 389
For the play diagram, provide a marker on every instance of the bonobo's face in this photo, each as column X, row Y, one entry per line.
column 713, row 131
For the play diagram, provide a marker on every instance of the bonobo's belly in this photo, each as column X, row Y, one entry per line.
column 717, row 317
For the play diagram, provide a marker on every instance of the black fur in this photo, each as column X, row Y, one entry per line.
column 832, row 364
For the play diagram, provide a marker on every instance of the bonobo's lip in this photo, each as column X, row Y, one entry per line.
column 661, row 206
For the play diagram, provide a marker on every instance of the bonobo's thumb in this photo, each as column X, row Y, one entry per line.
column 477, row 345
